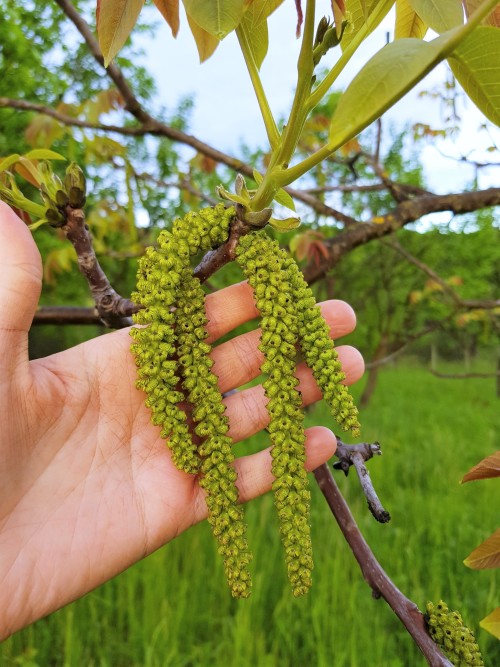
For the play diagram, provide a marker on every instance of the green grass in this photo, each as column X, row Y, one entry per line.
column 174, row 610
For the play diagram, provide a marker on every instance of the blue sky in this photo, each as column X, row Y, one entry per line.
column 226, row 112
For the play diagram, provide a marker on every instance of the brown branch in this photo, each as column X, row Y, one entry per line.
column 216, row 259
column 406, row 212
column 113, row 309
column 66, row 315
column 381, row 585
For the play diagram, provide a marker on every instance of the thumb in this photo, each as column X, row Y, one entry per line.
column 20, row 285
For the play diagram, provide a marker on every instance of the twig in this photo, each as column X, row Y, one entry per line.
column 406, row 610
column 66, row 315
column 216, row 259
column 356, row 455
column 113, row 309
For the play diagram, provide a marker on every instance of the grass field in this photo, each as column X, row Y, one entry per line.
column 173, row 609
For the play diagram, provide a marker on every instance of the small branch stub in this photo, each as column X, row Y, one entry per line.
column 356, row 455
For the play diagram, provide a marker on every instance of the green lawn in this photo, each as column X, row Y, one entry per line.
column 174, row 610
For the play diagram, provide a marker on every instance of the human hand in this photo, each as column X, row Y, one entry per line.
column 87, row 486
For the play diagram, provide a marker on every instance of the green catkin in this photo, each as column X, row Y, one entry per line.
column 158, row 283
column 320, row 353
column 218, row 476
column 172, row 346
column 454, row 638
column 264, row 264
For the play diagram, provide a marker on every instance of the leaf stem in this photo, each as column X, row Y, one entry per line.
column 282, row 154
column 272, row 131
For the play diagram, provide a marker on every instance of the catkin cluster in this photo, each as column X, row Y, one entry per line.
column 290, row 317
column 452, row 636
column 173, row 366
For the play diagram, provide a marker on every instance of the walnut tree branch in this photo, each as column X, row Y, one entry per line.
column 382, row 586
column 404, row 213
column 113, row 309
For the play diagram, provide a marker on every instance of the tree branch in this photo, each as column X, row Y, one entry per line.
column 406, row 610
column 113, row 309
column 66, row 315
column 404, row 213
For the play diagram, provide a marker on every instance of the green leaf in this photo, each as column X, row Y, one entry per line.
column 259, row 10
column 486, row 555
column 391, row 73
column 257, row 37
column 476, row 65
column 9, row 161
column 283, row 198
column 408, row 22
column 440, row 15
column 35, row 225
column 285, row 225
column 217, row 17
column 115, row 21
column 230, row 196
column 258, row 178
column 205, row 42
column 492, row 623
column 357, row 14
column 43, row 154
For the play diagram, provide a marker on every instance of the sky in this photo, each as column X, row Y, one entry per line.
column 226, row 111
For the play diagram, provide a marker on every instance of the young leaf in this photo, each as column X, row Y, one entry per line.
column 170, row 12
column 391, row 73
column 492, row 623
column 284, row 225
column 217, row 17
column 440, row 15
column 43, row 154
column 408, row 22
column 259, row 10
column 487, row 554
column 257, row 36
column 115, row 21
column 476, row 66
column 205, row 42
column 485, row 469
column 283, row 198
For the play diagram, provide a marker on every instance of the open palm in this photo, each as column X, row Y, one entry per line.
column 87, row 486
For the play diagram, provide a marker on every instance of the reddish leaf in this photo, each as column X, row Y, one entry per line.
column 486, row 555
column 170, row 12
column 485, row 469
column 493, row 19
column 115, row 21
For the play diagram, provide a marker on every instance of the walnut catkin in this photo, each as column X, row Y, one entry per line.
column 173, row 363
column 174, row 367
column 455, row 639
